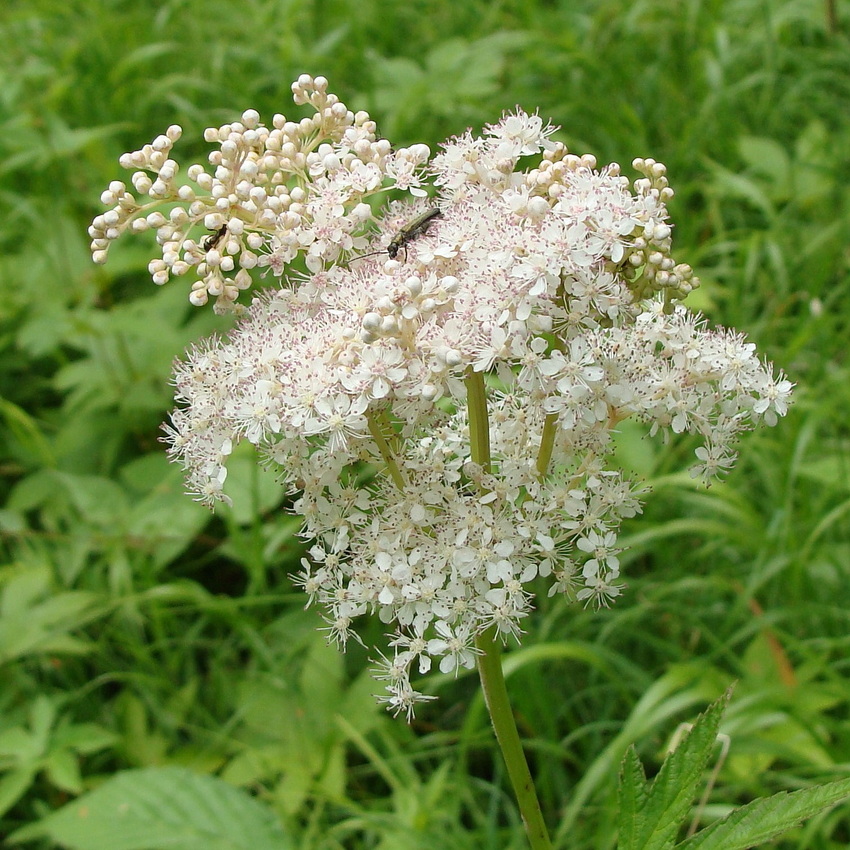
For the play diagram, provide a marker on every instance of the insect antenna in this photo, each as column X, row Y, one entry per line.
column 363, row 256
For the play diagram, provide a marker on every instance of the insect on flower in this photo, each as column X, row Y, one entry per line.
column 209, row 242
column 407, row 233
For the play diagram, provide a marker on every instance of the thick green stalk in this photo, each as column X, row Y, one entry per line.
column 502, row 717
column 490, row 658
column 479, row 422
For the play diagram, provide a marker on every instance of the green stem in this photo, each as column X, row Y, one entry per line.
column 479, row 424
column 377, row 421
column 547, row 443
column 502, row 717
column 490, row 658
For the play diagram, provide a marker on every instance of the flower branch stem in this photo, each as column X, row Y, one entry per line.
column 377, row 423
column 547, row 444
column 479, row 424
column 490, row 653
column 501, row 715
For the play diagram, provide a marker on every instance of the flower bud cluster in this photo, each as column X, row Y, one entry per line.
column 266, row 196
column 555, row 280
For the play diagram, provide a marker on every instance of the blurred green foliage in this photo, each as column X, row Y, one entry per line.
column 139, row 630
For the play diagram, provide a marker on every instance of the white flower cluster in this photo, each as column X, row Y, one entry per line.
column 555, row 282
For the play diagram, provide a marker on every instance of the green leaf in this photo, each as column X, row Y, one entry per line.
column 19, row 745
column 767, row 158
column 632, row 794
column 763, row 820
column 13, row 786
column 42, row 718
column 32, row 621
column 85, row 738
column 63, row 770
column 27, row 434
column 674, row 788
column 729, row 185
column 102, row 502
column 165, row 807
column 254, row 490
column 676, row 691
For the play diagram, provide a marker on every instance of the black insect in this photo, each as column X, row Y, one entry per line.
column 407, row 233
column 209, row 242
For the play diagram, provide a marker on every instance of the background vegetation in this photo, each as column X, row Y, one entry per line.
column 137, row 629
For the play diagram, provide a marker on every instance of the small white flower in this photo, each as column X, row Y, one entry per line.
column 601, row 547
column 454, row 645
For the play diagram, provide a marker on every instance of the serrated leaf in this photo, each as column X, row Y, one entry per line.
column 158, row 808
column 763, row 820
column 632, row 797
column 674, row 788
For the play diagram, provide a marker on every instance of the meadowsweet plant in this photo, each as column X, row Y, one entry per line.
column 475, row 344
